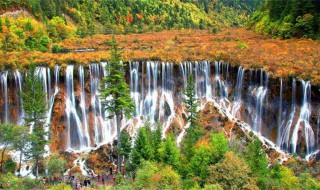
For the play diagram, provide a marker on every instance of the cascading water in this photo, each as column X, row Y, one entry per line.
column 83, row 108
column 166, row 107
column 280, row 121
column 76, row 138
column 156, row 90
column 258, row 94
column 104, row 129
column 235, row 107
column 303, row 121
column 286, row 131
column 18, row 81
column 4, row 83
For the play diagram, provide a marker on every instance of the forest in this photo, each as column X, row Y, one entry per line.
column 279, row 38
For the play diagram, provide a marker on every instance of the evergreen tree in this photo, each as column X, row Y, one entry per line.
column 20, row 143
column 7, row 134
column 143, row 149
column 156, row 140
column 125, row 148
column 195, row 131
column 257, row 161
column 190, row 101
column 35, row 107
column 116, row 96
column 169, row 152
column 219, row 146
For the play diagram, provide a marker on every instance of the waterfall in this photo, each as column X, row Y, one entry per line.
column 156, row 89
column 83, row 108
column 18, row 81
column 235, row 107
column 220, row 85
column 134, row 87
column 75, row 134
column 285, row 135
column 95, row 76
column 280, row 122
column 4, row 83
column 166, row 98
column 258, row 94
column 303, row 121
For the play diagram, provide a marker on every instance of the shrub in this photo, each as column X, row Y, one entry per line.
column 61, row 186
column 232, row 173
column 155, row 176
column 242, row 46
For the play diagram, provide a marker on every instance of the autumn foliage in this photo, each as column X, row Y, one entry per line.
column 282, row 58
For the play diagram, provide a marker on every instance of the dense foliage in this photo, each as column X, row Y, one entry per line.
column 33, row 25
column 288, row 18
column 125, row 16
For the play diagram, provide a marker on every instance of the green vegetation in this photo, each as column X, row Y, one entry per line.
column 34, row 25
column 35, row 106
column 287, row 19
column 116, row 96
column 56, row 166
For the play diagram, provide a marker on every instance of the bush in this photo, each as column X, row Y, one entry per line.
column 307, row 182
column 10, row 165
column 61, row 186
column 155, row 176
column 242, row 46
column 232, row 173
column 212, row 187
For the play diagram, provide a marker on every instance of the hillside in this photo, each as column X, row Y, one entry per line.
column 288, row 19
column 136, row 16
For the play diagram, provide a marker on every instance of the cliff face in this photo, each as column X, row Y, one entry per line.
column 283, row 110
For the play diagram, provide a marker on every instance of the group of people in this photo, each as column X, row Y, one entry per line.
column 88, row 181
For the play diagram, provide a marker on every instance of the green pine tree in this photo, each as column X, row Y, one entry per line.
column 156, row 140
column 7, row 134
column 116, row 96
column 190, row 101
column 143, row 149
column 195, row 131
column 125, row 148
column 257, row 161
column 169, row 152
column 20, row 141
column 35, row 106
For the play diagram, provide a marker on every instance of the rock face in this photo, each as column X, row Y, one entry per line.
column 283, row 110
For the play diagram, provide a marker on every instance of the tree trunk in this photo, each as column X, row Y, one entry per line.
column 118, row 142
column 2, row 158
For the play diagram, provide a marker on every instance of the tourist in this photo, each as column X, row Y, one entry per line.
column 79, row 186
column 85, row 183
column 89, row 183
column 107, row 176
column 102, row 180
column 1, row 187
